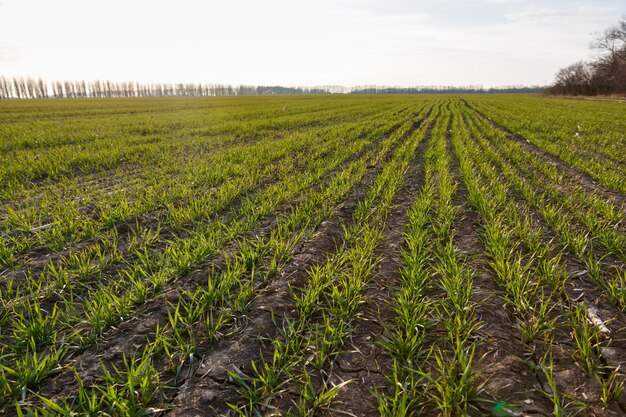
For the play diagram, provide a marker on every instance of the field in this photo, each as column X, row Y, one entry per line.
column 313, row 256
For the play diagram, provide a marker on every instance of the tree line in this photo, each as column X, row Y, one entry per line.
column 447, row 90
column 605, row 75
column 31, row 88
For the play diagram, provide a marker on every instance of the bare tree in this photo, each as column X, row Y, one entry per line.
column 6, row 88
column 606, row 74
column 610, row 66
column 573, row 79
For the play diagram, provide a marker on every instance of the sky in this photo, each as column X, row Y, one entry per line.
column 301, row 43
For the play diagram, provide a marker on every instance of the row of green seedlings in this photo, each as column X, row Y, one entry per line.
column 105, row 304
column 107, row 308
column 590, row 334
column 597, row 217
column 310, row 341
column 81, row 266
column 580, row 151
column 200, row 209
column 429, row 373
column 209, row 313
column 92, row 263
column 524, row 278
column 137, row 139
column 177, row 199
column 601, row 207
column 576, row 240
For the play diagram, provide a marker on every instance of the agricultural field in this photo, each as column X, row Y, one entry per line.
column 313, row 256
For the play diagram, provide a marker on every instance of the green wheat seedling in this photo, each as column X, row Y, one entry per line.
column 27, row 371
column 405, row 397
column 7, row 255
column 540, row 323
column 560, row 406
column 457, row 309
column 616, row 288
column 552, row 273
column 407, row 344
column 587, row 337
column 612, row 386
column 35, row 328
column 127, row 391
column 453, row 387
column 314, row 400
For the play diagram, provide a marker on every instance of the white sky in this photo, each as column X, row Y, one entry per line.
column 292, row 42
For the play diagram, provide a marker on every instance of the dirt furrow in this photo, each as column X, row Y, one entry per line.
column 567, row 374
column 504, row 354
column 365, row 362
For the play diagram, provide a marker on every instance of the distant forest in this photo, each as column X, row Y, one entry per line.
column 605, row 75
column 37, row 88
column 446, row 90
column 29, row 88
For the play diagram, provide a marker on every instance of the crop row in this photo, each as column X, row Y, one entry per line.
column 589, row 138
column 532, row 273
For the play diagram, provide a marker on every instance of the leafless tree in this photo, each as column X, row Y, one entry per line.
column 610, row 66
column 573, row 79
column 606, row 74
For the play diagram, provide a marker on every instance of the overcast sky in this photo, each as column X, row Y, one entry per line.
column 292, row 42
